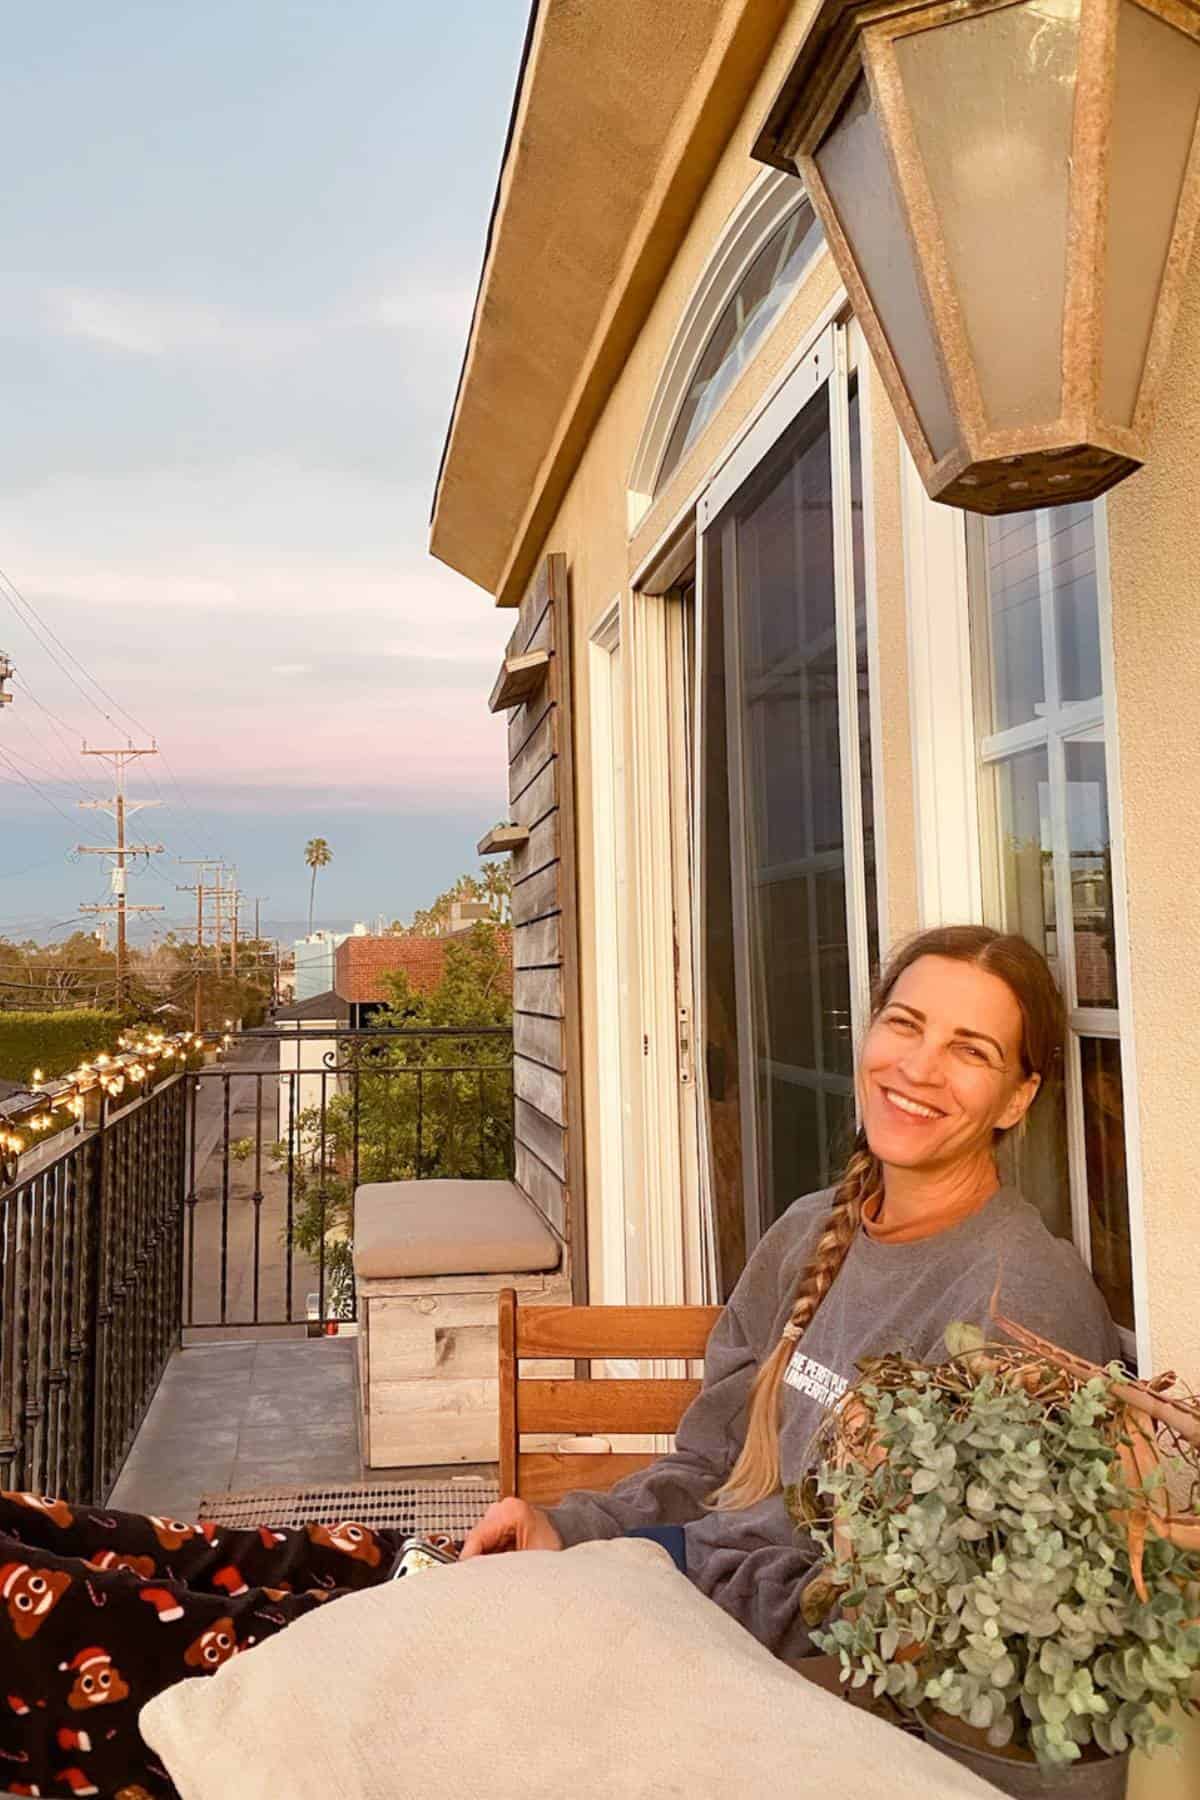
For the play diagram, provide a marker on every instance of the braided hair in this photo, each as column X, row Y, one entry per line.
column 756, row 1473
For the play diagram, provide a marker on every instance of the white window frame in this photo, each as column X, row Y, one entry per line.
column 760, row 212
column 609, row 1224
column 958, row 868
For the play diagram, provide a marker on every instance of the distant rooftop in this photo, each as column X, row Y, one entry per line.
column 363, row 962
column 328, row 1005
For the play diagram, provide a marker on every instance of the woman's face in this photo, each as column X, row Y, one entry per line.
column 940, row 1069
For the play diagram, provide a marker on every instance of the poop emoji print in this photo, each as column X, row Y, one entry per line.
column 101, row 1610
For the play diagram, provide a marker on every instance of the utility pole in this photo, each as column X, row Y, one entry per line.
column 120, row 809
column 6, row 674
column 201, row 887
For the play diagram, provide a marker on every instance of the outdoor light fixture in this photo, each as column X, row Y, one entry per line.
column 1010, row 191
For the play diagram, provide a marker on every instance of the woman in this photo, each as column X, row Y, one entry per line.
column 102, row 1610
column 966, row 1026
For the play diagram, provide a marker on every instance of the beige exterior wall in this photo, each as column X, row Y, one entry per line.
column 1155, row 555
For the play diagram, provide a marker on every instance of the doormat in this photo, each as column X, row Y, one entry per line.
column 413, row 1508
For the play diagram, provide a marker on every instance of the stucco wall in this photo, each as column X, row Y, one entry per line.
column 1155, row 552
column 1155, row 555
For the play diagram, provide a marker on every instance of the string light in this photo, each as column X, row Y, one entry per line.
column 135, row 1063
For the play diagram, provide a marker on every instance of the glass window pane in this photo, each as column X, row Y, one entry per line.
column 856, row 168
column 865, row 770
column 997, row 159
column 722, row 1076
column 1026, row 849
column 1015, row 621
column 1036, row 1161
column 1071, row 547
column 780, row 626
column 743, row 323
column 1090, row 849
column 1108, row 1196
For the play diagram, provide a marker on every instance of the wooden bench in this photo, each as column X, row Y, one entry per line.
column 601, row 1407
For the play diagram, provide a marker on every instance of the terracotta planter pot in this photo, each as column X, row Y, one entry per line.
column 1105, row 1778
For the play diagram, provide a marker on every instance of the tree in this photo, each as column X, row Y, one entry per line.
column 411, row 1107
column 494, row 885
column 317, row 855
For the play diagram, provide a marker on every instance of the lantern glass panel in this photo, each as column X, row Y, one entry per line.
column 1154, row 119
column 992, row 105
column 854, row 166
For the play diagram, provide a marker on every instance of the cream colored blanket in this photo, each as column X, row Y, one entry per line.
column 599, row 1673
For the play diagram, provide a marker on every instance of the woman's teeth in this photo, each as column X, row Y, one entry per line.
column 911, row 1106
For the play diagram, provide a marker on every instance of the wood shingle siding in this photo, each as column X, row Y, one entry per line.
column 546, row 1062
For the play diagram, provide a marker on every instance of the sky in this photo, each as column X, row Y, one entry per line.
column 239, row 254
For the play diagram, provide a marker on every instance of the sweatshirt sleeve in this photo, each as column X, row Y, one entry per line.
column 673, row 1489
column 1040, row 1283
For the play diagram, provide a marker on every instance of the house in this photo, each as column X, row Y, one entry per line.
column 362, row 963
column 771, row 706
column 793, row 708
column 308, row 1055
column 313, row 959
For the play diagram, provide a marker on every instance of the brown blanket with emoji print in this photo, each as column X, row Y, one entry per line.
column 99, row 1611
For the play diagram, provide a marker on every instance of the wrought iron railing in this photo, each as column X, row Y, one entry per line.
column 220, row 1198
column 90, row 1293
column 282, row 1133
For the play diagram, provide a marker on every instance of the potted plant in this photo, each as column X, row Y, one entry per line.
column 1007, row 1563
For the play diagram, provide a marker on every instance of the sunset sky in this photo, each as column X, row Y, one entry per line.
column 241, row 246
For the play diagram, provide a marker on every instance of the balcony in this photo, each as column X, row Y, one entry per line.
column 178, row 1299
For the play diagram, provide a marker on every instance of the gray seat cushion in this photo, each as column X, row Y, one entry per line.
column 407, row 1228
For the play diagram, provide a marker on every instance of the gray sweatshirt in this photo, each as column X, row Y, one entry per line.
column 886, row 1297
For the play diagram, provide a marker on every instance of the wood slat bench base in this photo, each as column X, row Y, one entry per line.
column 428, row 1391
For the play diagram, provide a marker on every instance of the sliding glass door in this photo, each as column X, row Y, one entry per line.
column 788, row 918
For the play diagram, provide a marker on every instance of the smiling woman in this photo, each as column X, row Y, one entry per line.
column 965, row 1028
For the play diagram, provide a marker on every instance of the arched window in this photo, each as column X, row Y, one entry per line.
column 763, row 256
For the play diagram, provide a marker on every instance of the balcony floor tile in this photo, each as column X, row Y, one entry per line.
column 244, row 1415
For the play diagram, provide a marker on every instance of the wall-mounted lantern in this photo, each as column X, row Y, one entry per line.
column 1010, row 190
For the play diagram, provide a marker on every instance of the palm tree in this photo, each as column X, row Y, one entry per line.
column 316, row 854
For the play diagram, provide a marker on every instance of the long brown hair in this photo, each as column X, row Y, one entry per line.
column 1025, row 972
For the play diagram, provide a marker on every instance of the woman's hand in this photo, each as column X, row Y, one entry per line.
column 510, row 1525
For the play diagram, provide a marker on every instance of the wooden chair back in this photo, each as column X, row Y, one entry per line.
column 583, row 1408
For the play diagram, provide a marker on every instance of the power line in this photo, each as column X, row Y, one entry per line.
column 21, row 776
column 61, row 730
column 20, row 605
column 50, row 774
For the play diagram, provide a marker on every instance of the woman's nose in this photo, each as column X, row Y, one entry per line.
column 922, row 1062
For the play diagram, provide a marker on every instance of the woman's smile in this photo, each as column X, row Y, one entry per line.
column 904, row 1103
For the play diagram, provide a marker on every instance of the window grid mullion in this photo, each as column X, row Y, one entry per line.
column 1064, row 919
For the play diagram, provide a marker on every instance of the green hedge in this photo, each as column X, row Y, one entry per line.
column 54, row 1042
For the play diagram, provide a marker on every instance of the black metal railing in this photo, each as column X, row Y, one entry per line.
column 284, row 1130
column 90, row 1293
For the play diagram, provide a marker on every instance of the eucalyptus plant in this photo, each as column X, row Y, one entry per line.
column 988, row 1553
